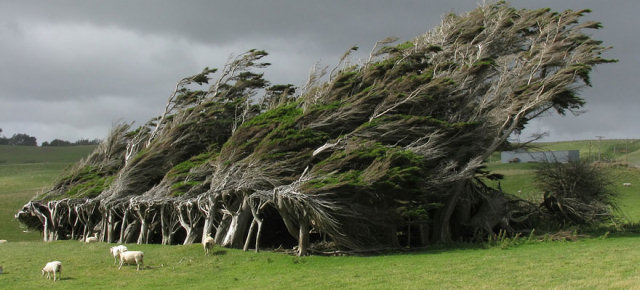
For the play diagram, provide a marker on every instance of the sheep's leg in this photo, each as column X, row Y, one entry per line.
column 121, row 262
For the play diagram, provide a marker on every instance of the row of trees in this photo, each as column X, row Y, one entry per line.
column 19, row 139
column 385, row 154
column 59, row 142
column 22, row 139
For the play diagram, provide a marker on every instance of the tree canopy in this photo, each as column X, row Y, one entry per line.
column 377, row 154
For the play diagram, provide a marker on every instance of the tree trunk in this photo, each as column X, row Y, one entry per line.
column 442, row 225
column 424, row 234
column 249, row 235
column 168, row 223
column 189, row 216
column 258, row 235
column 45, row 224
column 129, row 233
column 124, row 226
column 238, row 227
column 110, row 227
column 74, row 228
column 208, row 210
column 191, row 235
column 207, row 229
column 144, row 231
column 222, row 229
column 88, row 229
column 303, row 240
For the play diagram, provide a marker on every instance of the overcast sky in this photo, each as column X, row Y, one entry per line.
column 72, row 69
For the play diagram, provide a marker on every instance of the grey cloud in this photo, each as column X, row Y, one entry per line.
column 118, row 60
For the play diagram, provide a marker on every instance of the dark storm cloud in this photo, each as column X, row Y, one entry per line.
column 80, row 66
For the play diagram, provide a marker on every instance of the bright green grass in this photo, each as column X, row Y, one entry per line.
column 589, row 263
column 629, row 199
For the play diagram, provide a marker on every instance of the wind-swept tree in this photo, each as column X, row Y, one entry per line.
column 382, row 154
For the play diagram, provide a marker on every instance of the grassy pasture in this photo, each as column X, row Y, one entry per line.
column 589, row 263
column 598, row 262
column 26, row 171
column 18, row 184
column 33, row 154
column 625, row 150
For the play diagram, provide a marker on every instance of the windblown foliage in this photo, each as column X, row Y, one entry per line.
column 379, row 153
column 576, row 192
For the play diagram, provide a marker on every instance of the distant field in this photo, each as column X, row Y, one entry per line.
column 626, row 150
column 26, row 171
column 519, row 176
column 33, row 154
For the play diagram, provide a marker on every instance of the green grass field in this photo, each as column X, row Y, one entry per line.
column 589, row 263
column 26, row 171
column 594, row 263
column 33, row 154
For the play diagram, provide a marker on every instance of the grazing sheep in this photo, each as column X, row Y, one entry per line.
column 207, row 243
column 115, row 251
column 627, row 184
column 93, row 239
column 3, row 241
column 130, row 257
column 52, row 267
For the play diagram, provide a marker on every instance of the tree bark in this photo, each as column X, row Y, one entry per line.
column 443, row 222
column 249, row 235
column 238, row 226
column 303, row 240
column 208, row 209
column 189, row 216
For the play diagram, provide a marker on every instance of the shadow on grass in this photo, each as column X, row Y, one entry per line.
column 219, row 252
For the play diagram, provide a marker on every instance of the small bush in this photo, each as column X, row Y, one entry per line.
column 576, row 192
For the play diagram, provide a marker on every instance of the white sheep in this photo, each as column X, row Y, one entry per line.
column 93, row 239
column 207, row 244
column 52, row 267
column 115, row 251
column 627, row 184
column 130, row 257
column 3, row 241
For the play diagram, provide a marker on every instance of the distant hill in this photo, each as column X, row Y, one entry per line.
column 621, row 150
